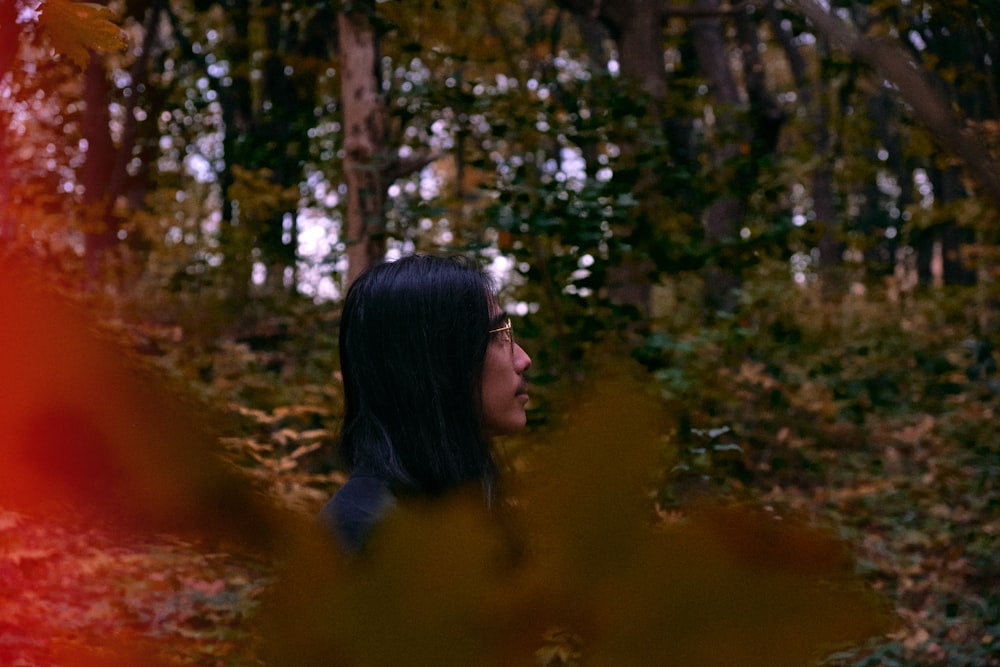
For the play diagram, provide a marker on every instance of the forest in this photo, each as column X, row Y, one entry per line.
column 752, row 247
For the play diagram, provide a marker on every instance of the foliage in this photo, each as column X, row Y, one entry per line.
column 853, row 397
column 440, row 583
column 793, row 403
column 78, row 595
column 76, row 28
column 880, row 426
column 447, row 576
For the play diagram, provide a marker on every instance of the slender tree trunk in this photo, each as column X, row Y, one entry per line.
column 237, row 118
column 636, row 26
column 640, row 47
column 721, row 217
column 95, row 176
column 766, row 116
column 138, row 83
column 277, row 237
column 815, row 98
column 831, row 249
column 364, row 139
column 873, row 218
column 796, row 62
column 939, row 247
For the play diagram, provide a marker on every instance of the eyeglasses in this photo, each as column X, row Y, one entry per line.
column 505, row 333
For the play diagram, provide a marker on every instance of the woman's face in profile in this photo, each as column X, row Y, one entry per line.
column 504, row 387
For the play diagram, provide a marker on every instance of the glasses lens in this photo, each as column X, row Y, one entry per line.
column 505, row 333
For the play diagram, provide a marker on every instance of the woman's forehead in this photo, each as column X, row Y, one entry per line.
column 497, row 314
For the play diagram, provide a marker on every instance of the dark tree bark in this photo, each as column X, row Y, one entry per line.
column 278, row 246
column 593, row 34
column 816, row 97
column 831, row 247
column 237, row 117
column 722, row 217
column 138, row 90
column 365, row 144
column 265, row 114
column 796, row 62
column 766, row 117
column 95, row 174
column 939, row 247
column 873, row 218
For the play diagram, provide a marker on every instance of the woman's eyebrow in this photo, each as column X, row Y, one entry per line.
column 499, row 320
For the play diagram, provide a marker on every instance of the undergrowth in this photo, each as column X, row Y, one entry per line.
column 872, row 416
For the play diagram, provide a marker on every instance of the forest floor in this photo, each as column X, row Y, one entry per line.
column 924, row 538
column 75, row 596
column 915, row 494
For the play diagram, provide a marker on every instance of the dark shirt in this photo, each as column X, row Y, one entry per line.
column 355, row 509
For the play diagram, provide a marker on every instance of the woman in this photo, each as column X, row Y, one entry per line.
column 431, row 374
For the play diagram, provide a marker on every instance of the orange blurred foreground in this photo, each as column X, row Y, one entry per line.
column 88, row 441
column 84, row 431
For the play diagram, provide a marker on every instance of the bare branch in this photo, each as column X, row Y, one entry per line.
column 700, row 13
column 403, row 167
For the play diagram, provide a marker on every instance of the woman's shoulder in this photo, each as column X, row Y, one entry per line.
column 356, row 508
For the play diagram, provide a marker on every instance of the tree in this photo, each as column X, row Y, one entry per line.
column 365, row 141
column 40, row 117
column 927, row 103
column 636, row 27
column 741, row 132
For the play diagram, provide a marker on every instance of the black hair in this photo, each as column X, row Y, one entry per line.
column 413, row 340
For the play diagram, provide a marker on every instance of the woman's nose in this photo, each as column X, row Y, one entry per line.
column 522, row 361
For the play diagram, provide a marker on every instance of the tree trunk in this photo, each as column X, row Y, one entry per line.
column 95, row 175
column 364, row 139
column 640, row 46
column 722, row 216
column 636, row 26
column 277, row 237
column 873, row 219
column 593, row 34
column 237, row 115
column 815, row 99
column 136, row 92
column 831, row 248
column 951, row 238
